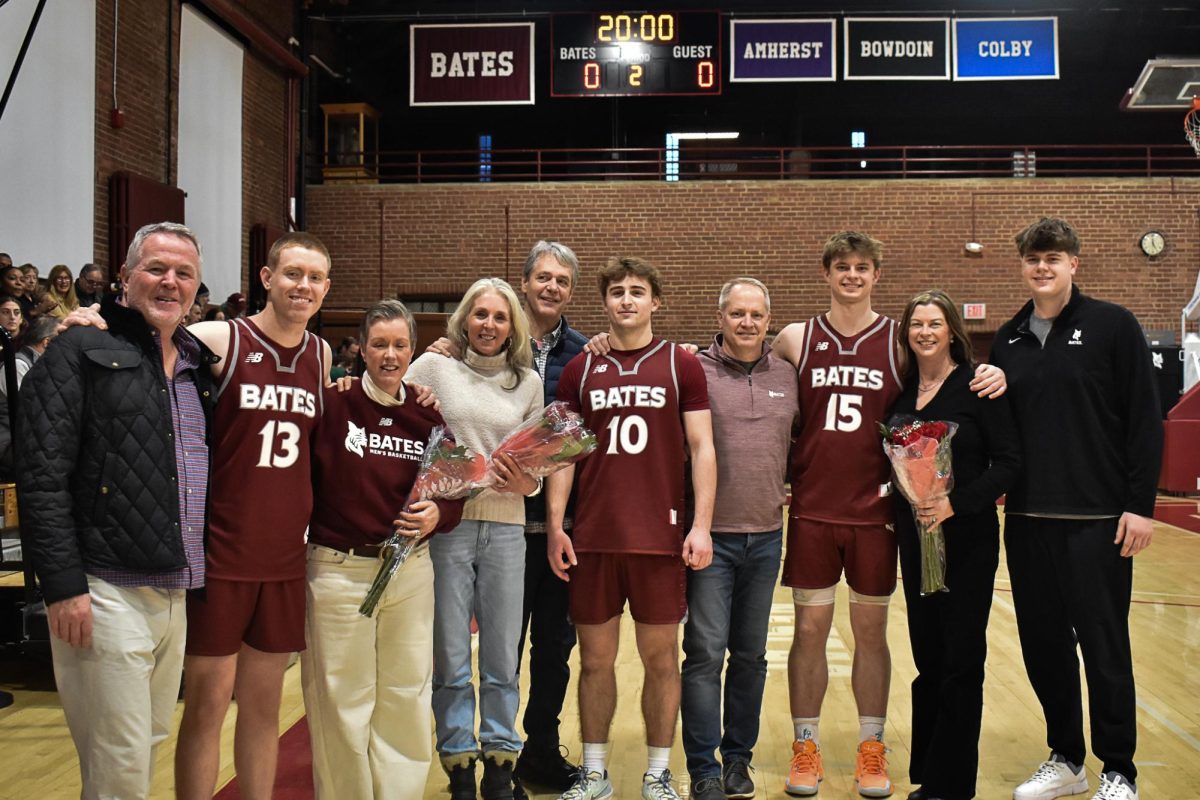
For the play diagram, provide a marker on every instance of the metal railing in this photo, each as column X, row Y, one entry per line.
column 764, row 163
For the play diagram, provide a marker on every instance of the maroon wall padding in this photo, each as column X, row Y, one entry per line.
column 135, row 201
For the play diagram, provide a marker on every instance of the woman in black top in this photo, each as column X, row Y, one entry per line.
column 947, row 630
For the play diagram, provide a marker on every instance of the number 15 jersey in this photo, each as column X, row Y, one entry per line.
column 630, row 489
column 838, row 472
column 260, row 498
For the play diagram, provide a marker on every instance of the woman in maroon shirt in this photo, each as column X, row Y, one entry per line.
column 367, row 680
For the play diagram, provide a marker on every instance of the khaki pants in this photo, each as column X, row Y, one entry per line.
column 367, row 681
column 119, row 694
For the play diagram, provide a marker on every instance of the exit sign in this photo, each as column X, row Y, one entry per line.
column 974, row 311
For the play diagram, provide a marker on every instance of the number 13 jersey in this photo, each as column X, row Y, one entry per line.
column 838, row 471
column 630, row 489
column 260, row 496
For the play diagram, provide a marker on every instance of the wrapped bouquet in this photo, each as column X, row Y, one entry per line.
column 448, row 470
column 919, row 452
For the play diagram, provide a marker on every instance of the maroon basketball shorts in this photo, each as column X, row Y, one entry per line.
column 655, row 586
column 267, row 615
column 818, row 553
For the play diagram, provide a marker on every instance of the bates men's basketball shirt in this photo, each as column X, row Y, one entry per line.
column 630, row 490
column 838, row 471
column 268, row 402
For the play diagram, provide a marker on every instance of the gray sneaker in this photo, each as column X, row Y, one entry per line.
column 1115, row 786
column 659, row 788
column 736, row 778
column 589, row 785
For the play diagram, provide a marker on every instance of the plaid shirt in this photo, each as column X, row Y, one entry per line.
column 541, row 349
column 191, row 460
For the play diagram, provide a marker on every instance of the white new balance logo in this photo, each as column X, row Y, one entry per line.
column 822, row 345
column 254, row 358
column 385, row 421
column 600, row 368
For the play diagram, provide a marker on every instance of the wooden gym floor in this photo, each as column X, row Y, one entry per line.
column 39, row 760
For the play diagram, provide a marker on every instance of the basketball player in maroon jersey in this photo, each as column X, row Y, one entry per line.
column 250, row 616
column 647, row 401
column 840, row 516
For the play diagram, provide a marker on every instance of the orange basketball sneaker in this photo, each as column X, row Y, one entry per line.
column 806, row 771
column 870, row 770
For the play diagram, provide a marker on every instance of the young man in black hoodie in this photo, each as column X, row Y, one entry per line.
column 1082, row 389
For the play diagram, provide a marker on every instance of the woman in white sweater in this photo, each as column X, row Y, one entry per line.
column 479, row 566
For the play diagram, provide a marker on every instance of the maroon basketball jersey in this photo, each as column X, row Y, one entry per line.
column 260, row 498
column 838, row 470
column 630, row 490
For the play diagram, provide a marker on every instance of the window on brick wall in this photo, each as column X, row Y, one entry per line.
column 426, row 305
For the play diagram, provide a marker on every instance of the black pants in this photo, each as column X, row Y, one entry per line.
column 551, row 638
column 948, row 633
column 1071, row 585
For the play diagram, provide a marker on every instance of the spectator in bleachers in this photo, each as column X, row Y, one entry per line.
column 37, row 339
column 194, row 315
column 214, row 314
column 11, row 317
column 12, row 284
column 234, row 305
column 32, row 284
column 60, row 294
column 5, row 260
column 90, row 286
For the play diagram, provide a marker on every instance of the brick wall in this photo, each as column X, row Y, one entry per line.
column 411, row 239
column 147, row 42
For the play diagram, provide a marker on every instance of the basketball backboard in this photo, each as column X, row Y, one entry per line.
column 1165, row 84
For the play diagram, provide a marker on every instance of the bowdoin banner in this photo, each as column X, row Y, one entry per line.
column 471, row 65
column 897, row 49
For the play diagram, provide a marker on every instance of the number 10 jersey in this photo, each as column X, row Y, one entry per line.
column 260, row 495
column 838, row 471
column 630, row 489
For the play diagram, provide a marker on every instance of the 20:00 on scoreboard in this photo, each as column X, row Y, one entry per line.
column 613, row 54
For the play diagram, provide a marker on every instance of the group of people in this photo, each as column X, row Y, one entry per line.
column 60, row 293
column 184, row 487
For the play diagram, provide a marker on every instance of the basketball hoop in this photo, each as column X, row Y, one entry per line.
column 1191, row 125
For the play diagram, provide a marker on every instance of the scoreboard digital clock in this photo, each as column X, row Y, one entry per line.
column 616, row 54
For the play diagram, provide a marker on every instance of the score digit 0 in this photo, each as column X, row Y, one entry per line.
column 705, row 74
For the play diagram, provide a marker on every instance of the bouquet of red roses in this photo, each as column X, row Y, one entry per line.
column 920, row 456
column 447, row 471
column 549, row 442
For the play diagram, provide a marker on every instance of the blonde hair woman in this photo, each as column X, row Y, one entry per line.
column 479, row 567
column 60, row 292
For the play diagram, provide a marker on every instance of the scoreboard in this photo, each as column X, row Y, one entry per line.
column 618, row 54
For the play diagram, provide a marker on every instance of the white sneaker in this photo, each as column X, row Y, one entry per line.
column 589, row 785
column 659, row 788
column 1052, row 779
column 1114, row 786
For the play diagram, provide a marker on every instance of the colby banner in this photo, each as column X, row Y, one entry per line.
column 469, row 65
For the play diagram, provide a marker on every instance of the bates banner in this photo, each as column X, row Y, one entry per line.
column 471, row 65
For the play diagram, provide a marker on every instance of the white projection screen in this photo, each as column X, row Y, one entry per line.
column 47, row 135
column 210, row 147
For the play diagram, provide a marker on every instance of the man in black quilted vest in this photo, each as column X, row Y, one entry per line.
column 112, row 453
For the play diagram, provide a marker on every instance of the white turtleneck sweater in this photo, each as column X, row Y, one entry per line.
column 481, row 412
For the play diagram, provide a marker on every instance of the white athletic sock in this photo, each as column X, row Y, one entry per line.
column 595, row 756
column 807, row 728
column 871, row 728
column 657, row 759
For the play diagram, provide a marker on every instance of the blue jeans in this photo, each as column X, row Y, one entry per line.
column 729, row 608
column 479, row 568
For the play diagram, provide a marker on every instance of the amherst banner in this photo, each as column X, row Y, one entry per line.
column 471, row 65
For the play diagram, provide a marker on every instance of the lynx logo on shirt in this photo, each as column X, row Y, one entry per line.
column 628, row 397
column 270, row 397
column 359, row 440
column 855, row 377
